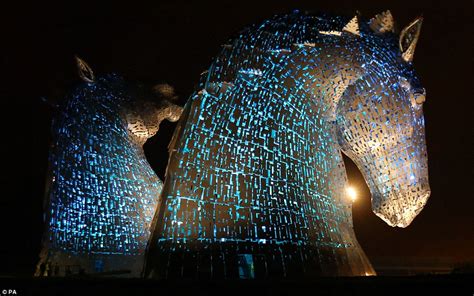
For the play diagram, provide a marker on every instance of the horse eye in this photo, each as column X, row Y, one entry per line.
column 404, row 83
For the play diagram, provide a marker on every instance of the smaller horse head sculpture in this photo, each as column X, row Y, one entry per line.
column 101, row 192
column 380, row 123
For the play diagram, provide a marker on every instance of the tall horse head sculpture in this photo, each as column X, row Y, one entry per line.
column 101, row 192
column 255, row 185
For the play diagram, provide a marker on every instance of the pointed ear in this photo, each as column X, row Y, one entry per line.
column 352, row 26
column 382, row 22
column 408, row 39
column 84, row 71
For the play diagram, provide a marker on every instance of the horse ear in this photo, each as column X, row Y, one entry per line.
column 84, row 70
column 352, row 26
column 382, row 22
column 408, row 39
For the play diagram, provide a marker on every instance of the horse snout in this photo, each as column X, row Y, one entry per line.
column 401, row 209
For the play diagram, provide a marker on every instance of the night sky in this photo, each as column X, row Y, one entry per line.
column 174, row 42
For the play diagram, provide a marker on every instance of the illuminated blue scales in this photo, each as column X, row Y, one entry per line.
column 101, row 192
column 255, row 185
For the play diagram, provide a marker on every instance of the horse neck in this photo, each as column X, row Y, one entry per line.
column 321, row 72
column 318, row 76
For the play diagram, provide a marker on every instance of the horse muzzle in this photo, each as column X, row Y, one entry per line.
column 398, row 209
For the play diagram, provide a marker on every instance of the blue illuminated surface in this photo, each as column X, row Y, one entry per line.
column 102, row 192
column 257, row 168
column 255, row 185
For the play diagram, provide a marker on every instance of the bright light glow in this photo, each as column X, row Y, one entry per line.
column 352, row 193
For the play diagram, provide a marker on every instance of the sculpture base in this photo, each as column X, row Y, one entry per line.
column 250, row 260
column 59, row 264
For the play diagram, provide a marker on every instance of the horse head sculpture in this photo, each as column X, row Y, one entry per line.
column 101, row 192
column 255, row 184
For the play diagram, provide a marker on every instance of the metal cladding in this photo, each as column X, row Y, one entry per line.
column 255, row 185
column 101, row 191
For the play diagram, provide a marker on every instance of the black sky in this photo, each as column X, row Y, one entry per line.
column 173, row 42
